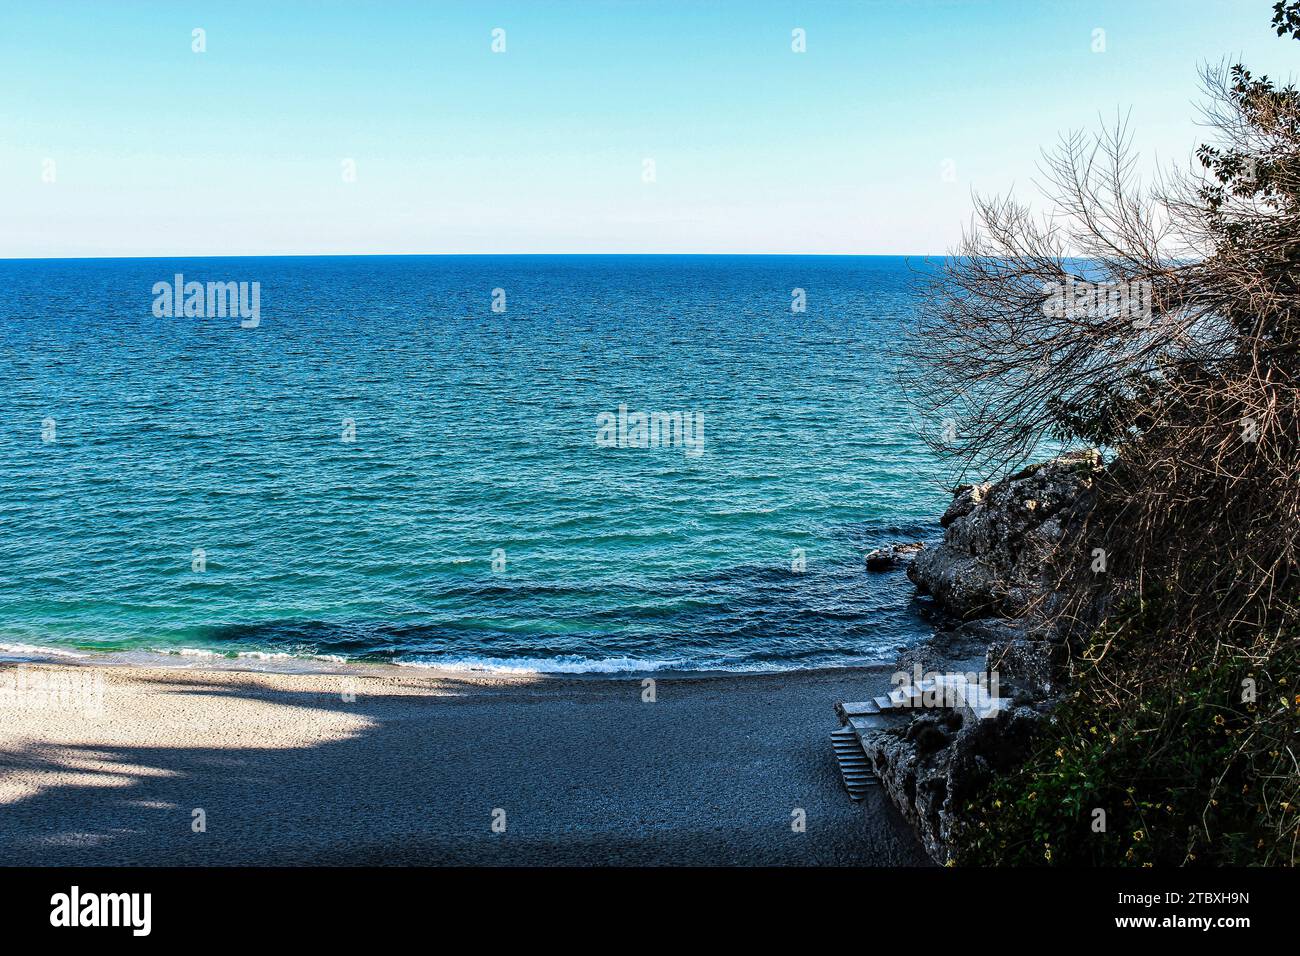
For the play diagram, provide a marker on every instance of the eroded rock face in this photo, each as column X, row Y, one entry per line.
column 992, row 566
column 1000, row 536
column 931, row 765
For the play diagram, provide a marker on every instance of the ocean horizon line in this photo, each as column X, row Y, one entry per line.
column 493, row 255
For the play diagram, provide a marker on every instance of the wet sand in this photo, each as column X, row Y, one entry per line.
column 109, row 764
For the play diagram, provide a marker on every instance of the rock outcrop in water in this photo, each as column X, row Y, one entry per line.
column 992, row 573
column 892, row 556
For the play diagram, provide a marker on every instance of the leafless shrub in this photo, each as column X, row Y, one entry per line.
column 1196, row 402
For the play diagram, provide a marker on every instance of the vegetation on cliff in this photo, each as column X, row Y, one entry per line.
column 1162, row 324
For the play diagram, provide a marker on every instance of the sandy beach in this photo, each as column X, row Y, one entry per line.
column 194, row 765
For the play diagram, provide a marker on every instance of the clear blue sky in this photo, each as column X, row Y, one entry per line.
column 157, row 150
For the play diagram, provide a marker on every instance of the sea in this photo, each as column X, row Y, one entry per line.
column 553, row 464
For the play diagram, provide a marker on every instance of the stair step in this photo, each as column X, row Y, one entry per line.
column 855, row 769
column 859, row 708
column 903, row 696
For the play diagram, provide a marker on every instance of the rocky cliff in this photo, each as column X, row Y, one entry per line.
column 992, row 574
column 1000, row 537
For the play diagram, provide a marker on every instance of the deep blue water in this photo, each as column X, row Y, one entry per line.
column 474, row 431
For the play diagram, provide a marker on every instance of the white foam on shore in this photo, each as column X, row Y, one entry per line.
column 565, row 664
column 616, row 665
column 544, row 665
column 253, row 655
column 44, row 651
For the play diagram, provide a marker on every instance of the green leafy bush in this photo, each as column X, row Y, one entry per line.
column 1189, row 752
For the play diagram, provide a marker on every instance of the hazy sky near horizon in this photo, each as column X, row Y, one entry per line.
column 870, row 142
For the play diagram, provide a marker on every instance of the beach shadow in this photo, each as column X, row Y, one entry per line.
column 236, row 771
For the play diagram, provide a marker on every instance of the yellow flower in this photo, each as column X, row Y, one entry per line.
column 1047, row 854
column 1060, row 753
column 997, row 804
column 1137, row 834
column 1218, row 719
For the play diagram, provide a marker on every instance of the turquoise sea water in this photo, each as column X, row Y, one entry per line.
column 128, row 441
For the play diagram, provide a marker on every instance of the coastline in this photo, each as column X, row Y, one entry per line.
column 275, row 662
column 378, row 764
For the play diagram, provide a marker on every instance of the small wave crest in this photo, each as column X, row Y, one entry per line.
column 31, row 649
column 250, row 655
column 543, row 665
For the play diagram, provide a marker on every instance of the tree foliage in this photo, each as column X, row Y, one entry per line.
column 1196, row 400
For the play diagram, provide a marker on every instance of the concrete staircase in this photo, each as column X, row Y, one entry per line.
column 855, row 742
column 857, row 772
column 953, row 691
